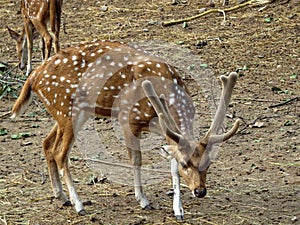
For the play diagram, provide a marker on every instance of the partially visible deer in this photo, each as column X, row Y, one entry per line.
column 107, row 78
column 36, row 14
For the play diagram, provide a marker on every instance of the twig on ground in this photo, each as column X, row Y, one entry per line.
column 255, row 100
column 285, row 164
column 224, row 17
column 5, row 114
column 3, row 80
column 251, row 2
column 255, row 120
column 16, row 61
column 123, row 165
column 5, row 77
column 282, row 3
column 3, row 220
column 262, row 8
column 48, row 197
column 285, row 102
column 13, row 68
column 213, row 39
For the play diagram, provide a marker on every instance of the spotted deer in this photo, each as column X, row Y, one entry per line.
column 107, row 78
column 36, row 14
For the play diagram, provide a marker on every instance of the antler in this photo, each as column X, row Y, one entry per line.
column 166, row 121
column 160, row 106
column 213, row 135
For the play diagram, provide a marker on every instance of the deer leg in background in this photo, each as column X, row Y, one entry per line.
column 29, row 40
column 41, row 27
column 61, row 158
column 50, row 145
column 133, row 146
column 24, row 56
column 56, row 41
column 57, row 28
column 136, row 158
column 42, row 46
column 177, row 205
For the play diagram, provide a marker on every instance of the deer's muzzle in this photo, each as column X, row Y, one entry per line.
column 22, row 65
column 199, row 192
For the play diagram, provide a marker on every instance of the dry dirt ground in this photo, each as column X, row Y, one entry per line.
column 256, row 177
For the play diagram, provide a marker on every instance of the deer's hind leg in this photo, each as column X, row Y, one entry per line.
column 41, row 27
column 68, row 132
column 51, row 145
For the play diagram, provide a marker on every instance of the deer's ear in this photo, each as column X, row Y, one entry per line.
column 205, row 161
column 14, row 35
column 170, row 151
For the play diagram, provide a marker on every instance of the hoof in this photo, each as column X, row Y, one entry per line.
column 148, row 207
column 67, row 203
column 82, row 212
column 179, row 218
column 170, row 192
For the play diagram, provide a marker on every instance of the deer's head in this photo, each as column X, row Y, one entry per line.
column 21, row 45
column 193, row 157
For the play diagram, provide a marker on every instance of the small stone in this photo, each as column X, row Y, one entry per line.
column 153, row 22
column 174, row 2
column 202, row 10
column 291, row 16
column 294, row 219
column 104, row 8
column 26, row 143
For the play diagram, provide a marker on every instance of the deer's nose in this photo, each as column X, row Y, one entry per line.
column 200, row 193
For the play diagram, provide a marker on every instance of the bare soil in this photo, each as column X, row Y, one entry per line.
column 256, row 177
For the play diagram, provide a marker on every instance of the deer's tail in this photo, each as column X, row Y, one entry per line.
column 24, row 99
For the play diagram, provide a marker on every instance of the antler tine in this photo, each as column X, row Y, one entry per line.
column 152, row 96
column 161, row 109
column 170, row 118
column 212, row 135
column 227, row 135
column 177, row 137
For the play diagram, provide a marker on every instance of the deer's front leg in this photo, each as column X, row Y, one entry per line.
column 29, row 38
column 177, row 205
column 24, row 55
column 42, row 46
column 135, row 155
column 136, row 160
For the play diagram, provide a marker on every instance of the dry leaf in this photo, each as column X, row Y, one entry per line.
column 258, row 124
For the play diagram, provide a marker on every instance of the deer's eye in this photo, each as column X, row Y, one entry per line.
column 187, row 171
